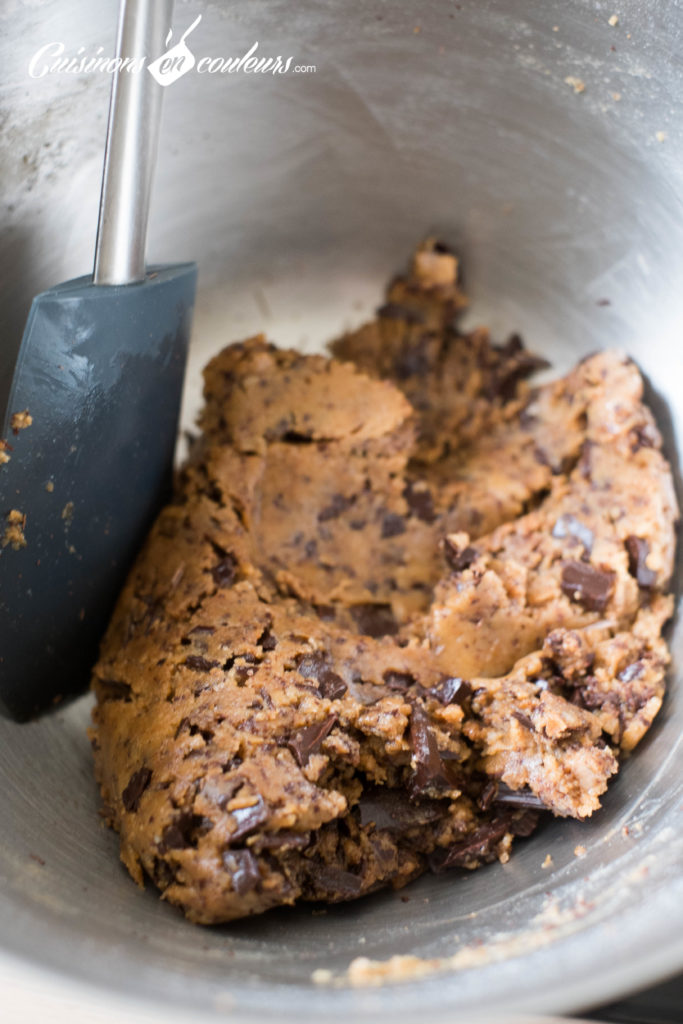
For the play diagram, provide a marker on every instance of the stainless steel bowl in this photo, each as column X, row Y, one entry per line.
column 299, row 195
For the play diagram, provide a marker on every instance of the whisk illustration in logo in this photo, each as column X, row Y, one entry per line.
column 173, row 64
column 177, row 61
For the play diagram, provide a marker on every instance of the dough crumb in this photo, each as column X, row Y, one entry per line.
column 14, row 531
column 21, row 420
column 321, row 976
column 4, row 449
column 548, row 862
column 579, row 851
column 616, row 96
column 68, row 512
column 613, row 20
column 577, row 84
column 661, row 136
column 49, row 486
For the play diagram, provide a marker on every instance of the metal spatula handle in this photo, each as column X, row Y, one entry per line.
column 132, row 137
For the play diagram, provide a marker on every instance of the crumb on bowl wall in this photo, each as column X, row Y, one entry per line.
column 21, row 420
column 14, row 531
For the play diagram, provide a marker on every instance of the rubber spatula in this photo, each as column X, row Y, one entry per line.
column 100, row 371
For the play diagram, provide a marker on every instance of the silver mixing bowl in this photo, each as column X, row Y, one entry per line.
column 299, row 195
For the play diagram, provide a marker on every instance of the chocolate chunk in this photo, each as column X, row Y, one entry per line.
column 199, row 664
column 585, row 459
column 442, row 248
column 644, row 436
column 247, row 819
column 163, row 874
column 431, row 773
column 518, row 798
column 183, row 831
column 631, row 672
column 488, row 795
column 393, row 525
column 458, row 558
column 225, row 573
column 481, row 844
column 307, row 741
column 201, row 631
column 569, row 526
column 398, row 680
column 292, row 436
column 331, row 686
column 587, row 586
column 420, row 502
column 503, row 382
column 394, row 311
column 374, row 620
column 392, row 810
column 335, row 882
column 638, row 549
column 557, row 466
column 338, row 504
column 451, row 690
column 113, row 689
column 267, row 641
column 512, row 347
column 137, row 784
column 314, row 666
column 242, row 867
column 285, row 839
column 524, row 720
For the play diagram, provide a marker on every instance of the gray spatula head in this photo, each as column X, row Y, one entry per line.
column 100, row 371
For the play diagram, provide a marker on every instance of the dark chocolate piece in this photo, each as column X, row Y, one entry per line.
column 335, row 882
column 392, row 810
column 451, row 690
column 178, row 835
column 285, row 839
column 524, row 720
column 243, row 869
column 393, row 525
column 587, row 586
column 314, row 666
column 112, row 689
column 248, row 818
column 374, row 620
column 199, row 664
column 398, row 680
column 338, row 504
column 307, row 741
column 431, row 772
column 267, row 641
column 137, row 784
column 457, row 558
column 420, row 502
column 518, row 798
column 481, row 844
column 638, row 549
column 225, row 573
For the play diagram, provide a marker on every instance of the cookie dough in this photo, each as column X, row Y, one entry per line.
column 402, row 603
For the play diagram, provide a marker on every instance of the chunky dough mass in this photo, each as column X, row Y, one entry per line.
column 402, row 603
